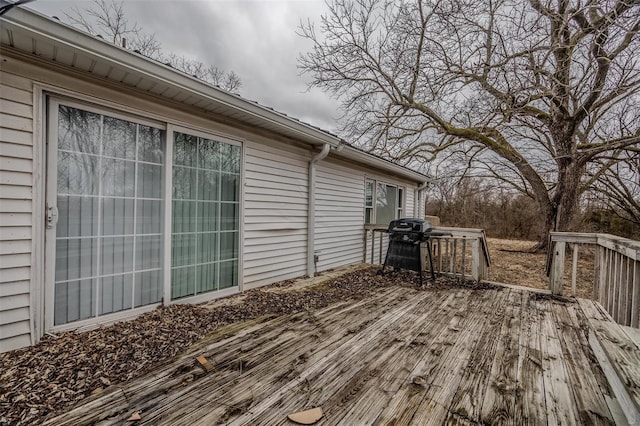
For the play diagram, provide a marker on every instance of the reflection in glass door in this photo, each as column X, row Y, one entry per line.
column 108, row 192
column 205, row 215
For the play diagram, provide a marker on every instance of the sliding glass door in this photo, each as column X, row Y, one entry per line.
column 106, row 221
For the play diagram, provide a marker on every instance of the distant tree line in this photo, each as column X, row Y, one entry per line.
column 479, row 203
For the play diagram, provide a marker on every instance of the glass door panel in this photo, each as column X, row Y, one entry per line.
column 205, row 218
column 108, row 237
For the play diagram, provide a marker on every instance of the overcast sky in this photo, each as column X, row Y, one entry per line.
column 255, row 38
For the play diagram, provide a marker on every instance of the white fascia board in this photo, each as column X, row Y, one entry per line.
column 41, row 27
column 379, row 163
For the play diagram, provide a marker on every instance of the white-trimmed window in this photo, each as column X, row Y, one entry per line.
column 383, row 202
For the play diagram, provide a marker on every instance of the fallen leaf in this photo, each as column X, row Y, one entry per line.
column 307, row 417
column 134, row 417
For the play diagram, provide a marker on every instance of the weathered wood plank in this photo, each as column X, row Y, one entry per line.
column 369, row 402
column 467, row 401
column 557, row 386
column 499, row 402
column 416, row 403
column 330, row 366
column 403, row 356
column 530, row 405
column 433, row 408
column 590, row 403
column 623, row 353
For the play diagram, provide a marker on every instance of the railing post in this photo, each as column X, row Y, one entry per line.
column 557, row 268
column 476, row 260
column 364, row 252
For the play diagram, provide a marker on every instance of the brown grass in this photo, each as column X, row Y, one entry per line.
column 511, row 263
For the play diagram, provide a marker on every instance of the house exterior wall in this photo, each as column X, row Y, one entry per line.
column 16, row 207
column 340, row 210
column 274, row 206
column 275, row 211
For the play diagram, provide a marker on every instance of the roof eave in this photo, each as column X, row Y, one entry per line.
column 40, row 26
column 353, row 154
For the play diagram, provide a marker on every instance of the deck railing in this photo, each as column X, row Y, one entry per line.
column 616, row 275
column 463, row 253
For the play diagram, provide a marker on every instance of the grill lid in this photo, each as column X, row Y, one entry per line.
column 410, row 225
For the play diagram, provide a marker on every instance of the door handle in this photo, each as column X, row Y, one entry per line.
column 52, row 216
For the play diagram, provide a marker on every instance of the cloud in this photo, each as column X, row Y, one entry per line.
column 255, row 38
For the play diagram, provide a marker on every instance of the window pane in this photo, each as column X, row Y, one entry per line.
column 77, row 174
column 150, row 143
column 184, row 151
column 400, row 198
column 119, row 138
column 228, row 245
column 118, row 177
column 74, row 301
column 386, row 196
column 230, row 158
column 185, row 183
column 115, row 293
column 229, row 187
column 78, row 130
column 149, row 181
column 367, row 215
column 184, row 216
column 77, row 216
column 368, row 194
column 228, row 274
column 118, row 216
column 207, row 277
column 208, row 155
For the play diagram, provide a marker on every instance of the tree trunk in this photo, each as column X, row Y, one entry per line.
column 561, row 210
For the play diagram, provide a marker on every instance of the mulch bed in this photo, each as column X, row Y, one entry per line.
column 44, row 380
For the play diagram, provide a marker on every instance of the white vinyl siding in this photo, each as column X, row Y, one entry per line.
column 409, row 210
column 16, row 177
column 339, row 215
column 340, row 202
column 275, row 213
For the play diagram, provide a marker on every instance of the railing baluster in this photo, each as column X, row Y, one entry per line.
column 373, row 245
column 635, row 303
column 364, row 251
column 628, row 290
column 453, row 258
column 574, row 270
column 464, row 255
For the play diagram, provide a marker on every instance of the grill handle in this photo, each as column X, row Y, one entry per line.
column 440, row 234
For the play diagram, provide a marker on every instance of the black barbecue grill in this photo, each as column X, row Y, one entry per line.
column 405, row 237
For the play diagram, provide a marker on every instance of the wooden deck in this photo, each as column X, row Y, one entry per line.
column 402, row 357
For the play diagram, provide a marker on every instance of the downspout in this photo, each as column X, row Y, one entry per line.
column 311, row 209
column 417, row 197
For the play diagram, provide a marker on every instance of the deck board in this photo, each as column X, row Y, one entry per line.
column 403, row 356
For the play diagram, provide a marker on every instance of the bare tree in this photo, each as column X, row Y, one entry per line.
column 618, row 186
column 536, row 92
column 107, row 19
column 228, row 80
